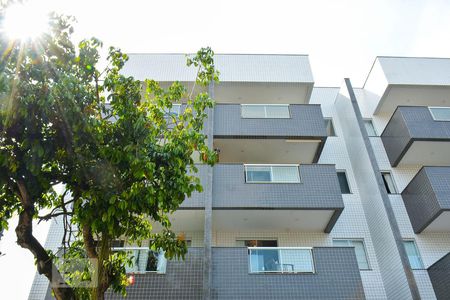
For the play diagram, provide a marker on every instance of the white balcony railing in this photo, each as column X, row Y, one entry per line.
column 144, row 260
column 280, row 260
column 265, row 111
column 272, row 173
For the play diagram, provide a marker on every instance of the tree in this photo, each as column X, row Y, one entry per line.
column 107, row 139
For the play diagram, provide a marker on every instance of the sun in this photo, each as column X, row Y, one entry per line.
column 25, row 21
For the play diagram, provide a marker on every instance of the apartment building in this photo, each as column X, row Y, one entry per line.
column 319, row 192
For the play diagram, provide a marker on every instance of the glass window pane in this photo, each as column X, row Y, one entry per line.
column 345, row 189
column 258, row 174
column 296, row 260
column 285, row 174
column 413, row 255
column 389, row 183
column 253, row 111
column 174, row 111
column 281, row 260
column 369, row 128
column 277, row 111
column 152, row 261
column 341, row 243
column 360, row 251
column 361, row 255
column 117, row 243
column 256, row 243
column 267, row 243
column 440, row 113
column 330, row 128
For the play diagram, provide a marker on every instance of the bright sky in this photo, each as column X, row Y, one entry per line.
column 341, row 37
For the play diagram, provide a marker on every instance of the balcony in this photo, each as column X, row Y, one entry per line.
column 395, row 81
column 263, row 79
column 243, row 78
column 285, row 273
column 182, row 279
column 427, row 200
column 269, row 133
column 415, row 136
column 439, row 274
column 276, row 197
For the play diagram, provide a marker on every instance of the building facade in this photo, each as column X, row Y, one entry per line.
column 319, row 192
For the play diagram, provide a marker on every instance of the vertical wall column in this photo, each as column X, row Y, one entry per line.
column 397, row 276
column 207, row 260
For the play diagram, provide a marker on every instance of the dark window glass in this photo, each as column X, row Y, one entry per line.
column 258, row 243
column 370, row 128
column 330, row 128
column 345, row 188
column 389, row 183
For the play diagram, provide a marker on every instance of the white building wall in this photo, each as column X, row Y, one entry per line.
column 432, row 246
column 352, row 223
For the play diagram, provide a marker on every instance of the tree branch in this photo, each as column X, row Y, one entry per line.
column 25, row 239
column 89, row 242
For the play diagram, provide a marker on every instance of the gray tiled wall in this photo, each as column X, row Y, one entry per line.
column 197, row 200
column 183, row 280
column 319, row 188
column 427, row 195
column 439, row 274
column 411, row 123
column 306, row 121
column 337, row 277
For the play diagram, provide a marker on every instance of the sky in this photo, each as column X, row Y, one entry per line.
column 342, row 39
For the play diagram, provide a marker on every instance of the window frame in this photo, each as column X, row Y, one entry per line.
column 375, row 133
column 419, row 255
column 369, row 267
column 393, row 183
column 430, row 109
column 348, row 182
column 330, row 119
column 271, row 172
column 265, row 110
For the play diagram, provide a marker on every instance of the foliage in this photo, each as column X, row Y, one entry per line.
column 106, row 138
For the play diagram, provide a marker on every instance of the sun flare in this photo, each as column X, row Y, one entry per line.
column 24, row 21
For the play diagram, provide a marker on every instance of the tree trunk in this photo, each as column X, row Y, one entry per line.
column 25, row 239
column 102, row 275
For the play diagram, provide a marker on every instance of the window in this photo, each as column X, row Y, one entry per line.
column 370, row 128
column 272, row 111
column 389, row 183
column 173, row 111
column 144, row 260
column 343, row 182
column 280, row 260
column 440, row 113
column 271, row 174
column 415, row 261
column 329, row 126
column 156, row 262
column 360, row 251
column 256, row 243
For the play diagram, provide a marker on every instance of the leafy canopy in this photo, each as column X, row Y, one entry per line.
column 123, row 162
